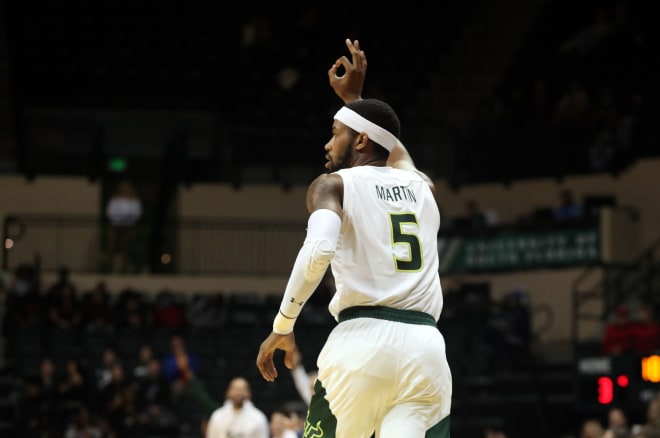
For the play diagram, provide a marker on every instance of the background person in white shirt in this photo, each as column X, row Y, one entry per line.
column 238, row 417
column 123, row 211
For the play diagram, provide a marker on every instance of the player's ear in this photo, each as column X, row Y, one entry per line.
column 361, row 140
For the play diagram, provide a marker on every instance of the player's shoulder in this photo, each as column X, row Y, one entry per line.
column 326, row 181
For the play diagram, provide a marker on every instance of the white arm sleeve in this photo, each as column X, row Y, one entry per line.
column 301, row 381
column 311, row 263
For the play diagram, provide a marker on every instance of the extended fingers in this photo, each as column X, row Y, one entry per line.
column 359, row 58
column 267, row 370
column 266, row 366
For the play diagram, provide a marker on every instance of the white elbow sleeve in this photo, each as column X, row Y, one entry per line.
column 319, row 254
column 313, row 259
column 323, row 229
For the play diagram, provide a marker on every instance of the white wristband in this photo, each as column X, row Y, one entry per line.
column 283, row 325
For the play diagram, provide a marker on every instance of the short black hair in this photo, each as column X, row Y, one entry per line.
column 378, row 112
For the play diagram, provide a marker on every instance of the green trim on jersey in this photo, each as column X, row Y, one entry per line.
column 387, row 313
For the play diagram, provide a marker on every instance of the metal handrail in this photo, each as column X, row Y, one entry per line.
column 645, row 261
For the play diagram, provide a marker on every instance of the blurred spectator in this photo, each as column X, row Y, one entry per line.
column 591, row 428
column 572, row 108
column 297, row 411
column 645, row 331
column 153, row 388
column 97, row 310
column 494, row 432
column 651, row 426
column 617, row 424
column 590, row 37
column 40, row 400
column 475, row 217
column 72, row 388
column 281, row 424
column 25, row 305
column 171, row 369
column 604, row 131
column 84, row 425
column 257, row 31
column 569, row 207
column 168, row 311
column 288, row 77
column 103, row 371
column 509, row 331
column 123, row 210
column 154, row 403
column 131, row 311
column 24, row 280
column 193, row 386
column 64, row 310
column 206, row 312
column 145, row 355
column 117, row 401
column 238, row 416
column 303, row 380
column 63, row 280
column 618, row 336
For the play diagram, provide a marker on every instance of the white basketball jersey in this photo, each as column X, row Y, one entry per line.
column 387, row 251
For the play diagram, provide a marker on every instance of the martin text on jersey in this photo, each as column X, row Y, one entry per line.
column 395, row 193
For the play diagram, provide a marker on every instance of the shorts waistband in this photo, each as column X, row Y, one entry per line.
column 387, row 313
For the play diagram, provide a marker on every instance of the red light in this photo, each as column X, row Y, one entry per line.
column 622, row 380
column 605, row 390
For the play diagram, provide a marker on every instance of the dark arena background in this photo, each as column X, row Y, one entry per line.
column 537, row 119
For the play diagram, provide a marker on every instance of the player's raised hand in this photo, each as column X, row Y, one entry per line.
column 348, row 86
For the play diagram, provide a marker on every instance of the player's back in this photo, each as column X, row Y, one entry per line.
column 387, row 251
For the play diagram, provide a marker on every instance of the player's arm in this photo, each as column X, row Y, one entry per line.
column 318, row 249
column 400, row 158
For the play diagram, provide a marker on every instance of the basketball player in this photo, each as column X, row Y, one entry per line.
column 374, row 219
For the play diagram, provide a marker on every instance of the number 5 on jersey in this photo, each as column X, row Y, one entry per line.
column 414, row 262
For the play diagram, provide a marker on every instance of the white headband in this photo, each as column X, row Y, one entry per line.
column 355, row 121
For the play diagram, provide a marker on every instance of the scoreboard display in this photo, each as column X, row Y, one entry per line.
column 628, row 381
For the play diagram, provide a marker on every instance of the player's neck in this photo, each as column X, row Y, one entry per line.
column 369, row 161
